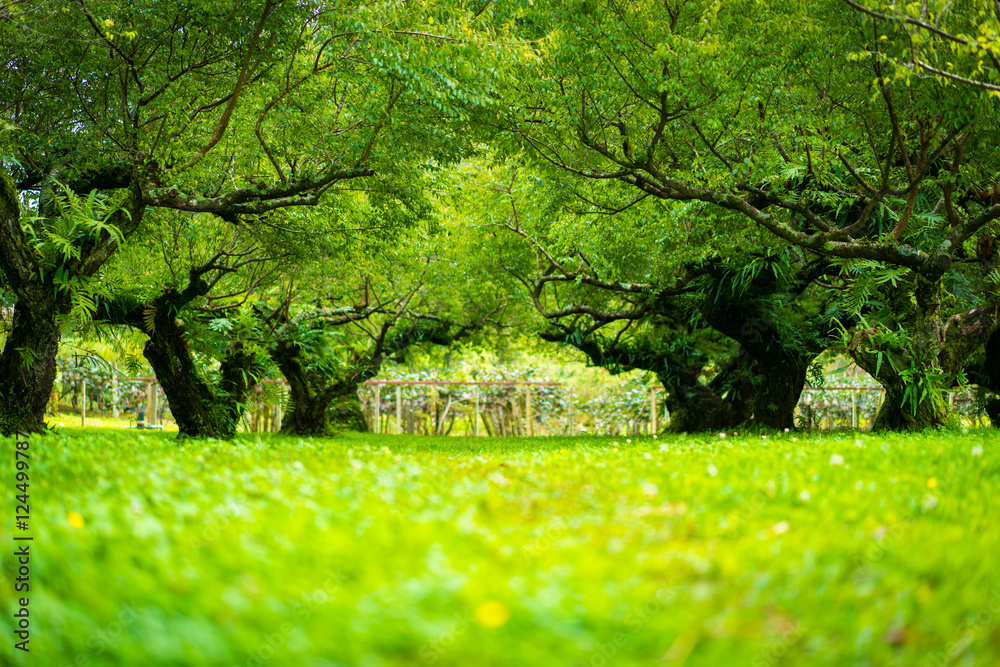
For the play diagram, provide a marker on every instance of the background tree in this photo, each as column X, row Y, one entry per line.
column 343, row 317
column 200, row 107
column 828, row 154
column 687, row 305
column 190, row 305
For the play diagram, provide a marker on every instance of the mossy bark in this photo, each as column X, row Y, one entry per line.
column 28, row 366
column 200, row 409
column 345, row 412
column 724, row 403
column 319, row 406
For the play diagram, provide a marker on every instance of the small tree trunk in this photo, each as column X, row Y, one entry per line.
column 899, row 412
column 993, row 412
column 987, row 376
column 308, row 413
column 696, row 409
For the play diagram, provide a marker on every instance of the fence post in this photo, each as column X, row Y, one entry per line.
column 151, row 403
column 527, row 409
column 854, row 408
column 652, row 410
column 572, row 412
column 114, row 391
column 83, row 411
column 475, row 411
column 378, row 408
column 399, row 406
column 432, row 400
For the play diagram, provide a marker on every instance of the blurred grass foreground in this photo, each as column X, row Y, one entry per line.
column 398, row 550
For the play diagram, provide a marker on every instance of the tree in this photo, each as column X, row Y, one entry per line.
column 206, row 356
column 753, row 321
column 233, row 111
column 344, row 315
column 801, row 131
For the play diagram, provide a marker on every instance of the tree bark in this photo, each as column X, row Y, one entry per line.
column 724, row 403
column 28, row 365
column 319, row 407
column 200, row 410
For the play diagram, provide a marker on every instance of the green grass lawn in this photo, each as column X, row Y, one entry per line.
column 399, row 550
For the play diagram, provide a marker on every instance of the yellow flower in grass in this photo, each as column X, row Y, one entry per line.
column 75, row 519
column 932, row 483
column 492, row 614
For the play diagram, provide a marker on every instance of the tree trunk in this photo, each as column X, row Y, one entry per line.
column 899, row 410
column 725, row 403
column 782, row 380
column 200, row 410
column 344, row 412
column 897, row 414
column 779, row 356
column 987, row 375
column 319, row 407
column 28, row 365
column 28, row 361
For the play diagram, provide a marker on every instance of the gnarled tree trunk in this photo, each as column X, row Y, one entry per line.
column 933, row 346
column 779, row 356
column 781, row 382
column 200, row 410
column 28, row 362
column 724, row 403
column 319, row 406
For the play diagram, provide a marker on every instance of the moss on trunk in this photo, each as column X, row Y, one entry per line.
column 28, row 367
